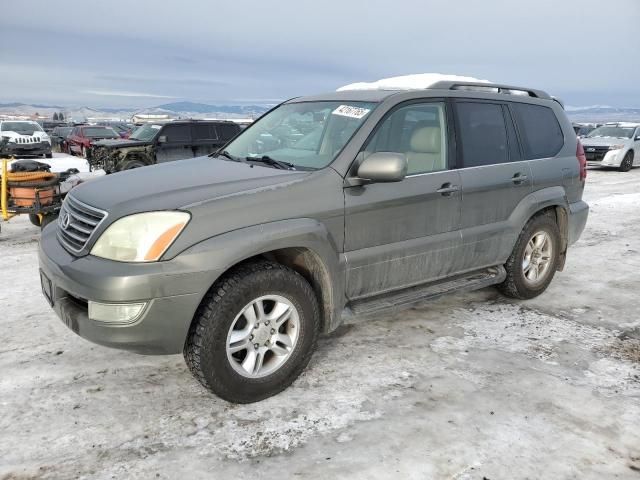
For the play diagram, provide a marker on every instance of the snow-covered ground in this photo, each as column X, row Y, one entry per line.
column 62, row 162
column 472, row 386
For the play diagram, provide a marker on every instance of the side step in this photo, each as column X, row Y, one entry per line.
column 403, row 298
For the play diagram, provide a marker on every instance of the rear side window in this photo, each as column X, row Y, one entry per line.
column 177, row 133
column 483, row 134
column 227, row 131
column 204, row 132
column 540, row 133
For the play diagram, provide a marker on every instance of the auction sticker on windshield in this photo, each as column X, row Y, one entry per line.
column 349, row 111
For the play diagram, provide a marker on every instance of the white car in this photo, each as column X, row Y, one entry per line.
column 23, row 138
column 613, row 145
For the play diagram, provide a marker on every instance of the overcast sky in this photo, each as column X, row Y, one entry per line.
column 144, row 53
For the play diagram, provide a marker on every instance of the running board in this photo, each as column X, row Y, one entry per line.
column 409, row 296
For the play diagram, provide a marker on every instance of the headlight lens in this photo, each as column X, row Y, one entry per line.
column 143, row 237
column 616, row 147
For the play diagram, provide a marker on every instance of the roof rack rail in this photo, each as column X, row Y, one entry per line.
column 492, row 87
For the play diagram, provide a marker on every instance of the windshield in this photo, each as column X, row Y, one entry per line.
column 307, row 134
column 24, row 128
column 145, row 132
column 615, row 132
column 99, row 132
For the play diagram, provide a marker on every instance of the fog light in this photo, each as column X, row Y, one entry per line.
column 115, row 312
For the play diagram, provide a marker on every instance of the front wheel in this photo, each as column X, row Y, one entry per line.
column 534, row 259
column 254, row 332
column 627, row 162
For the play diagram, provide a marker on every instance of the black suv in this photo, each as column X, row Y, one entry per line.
column 158, row 143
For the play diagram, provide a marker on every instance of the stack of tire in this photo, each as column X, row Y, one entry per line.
column 28, row 178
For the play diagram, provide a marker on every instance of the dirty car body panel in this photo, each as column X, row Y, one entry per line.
column 368, row 239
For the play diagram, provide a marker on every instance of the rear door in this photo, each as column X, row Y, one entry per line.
column 178, row 144
column 205, row 138
column 495, row 179
column 405, row 233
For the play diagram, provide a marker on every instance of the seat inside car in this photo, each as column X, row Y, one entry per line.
column 425, row 153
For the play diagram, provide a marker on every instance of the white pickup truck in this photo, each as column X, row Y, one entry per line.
column 613, row 145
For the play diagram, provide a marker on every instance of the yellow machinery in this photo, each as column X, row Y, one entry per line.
column 36, row 194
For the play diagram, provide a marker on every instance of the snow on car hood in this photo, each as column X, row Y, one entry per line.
column 604, row 141
column 409, row 82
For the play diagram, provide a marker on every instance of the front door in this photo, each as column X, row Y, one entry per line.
column 177, row 144
column 405, row 233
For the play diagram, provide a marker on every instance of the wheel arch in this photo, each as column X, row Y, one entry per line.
column 303, row 245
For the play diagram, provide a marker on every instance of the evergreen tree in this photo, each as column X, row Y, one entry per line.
column 55, row 116
column 60, row 116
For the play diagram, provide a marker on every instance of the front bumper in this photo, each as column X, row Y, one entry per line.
column 608, row 158
column 173, row 290
column 14, row 149
column 578, row 213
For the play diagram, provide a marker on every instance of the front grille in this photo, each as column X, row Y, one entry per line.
column 76, row 223
column 22, row 140
column 595, row 154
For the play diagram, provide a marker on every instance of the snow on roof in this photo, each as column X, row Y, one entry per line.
column 409, row 82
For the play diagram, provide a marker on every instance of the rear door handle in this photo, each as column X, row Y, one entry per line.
column 447, row 189
column 519, row 178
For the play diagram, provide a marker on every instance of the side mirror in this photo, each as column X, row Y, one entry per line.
column 162, row 139
column 638, row 138
column 382, row 167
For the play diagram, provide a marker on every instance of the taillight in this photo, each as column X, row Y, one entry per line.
column 582, row 160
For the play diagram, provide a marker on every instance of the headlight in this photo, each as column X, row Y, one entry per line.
column 616, row 147
column 143, row 237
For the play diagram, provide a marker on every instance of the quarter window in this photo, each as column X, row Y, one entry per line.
column 177, row 133
column 483, row 134
column 540, row 133
column 417, row 130
column 204, row 132
column 227, row 131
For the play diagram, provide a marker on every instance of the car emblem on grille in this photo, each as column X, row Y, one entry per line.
column 65, row 220
column 591, row 149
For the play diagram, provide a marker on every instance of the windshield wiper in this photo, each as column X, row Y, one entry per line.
column 266, row 159
column 226, row 154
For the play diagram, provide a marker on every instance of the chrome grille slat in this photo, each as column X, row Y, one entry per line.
column 76, row 224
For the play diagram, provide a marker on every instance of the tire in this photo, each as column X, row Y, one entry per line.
column 34, row 219
column 223, row 308
column 627, row 162
column 519, row 283
column 130, row 164
column 47, row 219
column 48, row 155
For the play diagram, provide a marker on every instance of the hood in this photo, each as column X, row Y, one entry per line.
column 603, row 141
column 120, row 143
column 37, row 136
column 178, row 184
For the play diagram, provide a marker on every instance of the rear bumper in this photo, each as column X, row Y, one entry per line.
column 578, row 213
column 172, row 291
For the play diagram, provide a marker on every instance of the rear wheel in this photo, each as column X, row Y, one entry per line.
column 253, row 333
column 534, row 259
column 627, row 162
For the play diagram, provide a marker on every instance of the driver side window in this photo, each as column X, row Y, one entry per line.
column 417, row 130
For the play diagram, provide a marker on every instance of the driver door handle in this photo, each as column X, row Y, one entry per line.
column 519, row 178
column 447, row 189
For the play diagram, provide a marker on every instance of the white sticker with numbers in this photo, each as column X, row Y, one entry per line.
column 349, row 111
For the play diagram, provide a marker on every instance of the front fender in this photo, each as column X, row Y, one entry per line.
column 218, row 254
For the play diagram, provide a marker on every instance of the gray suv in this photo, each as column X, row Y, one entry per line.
column 340, row 204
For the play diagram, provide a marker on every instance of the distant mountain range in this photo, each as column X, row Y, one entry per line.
column 603, row 113
column 593, row 113
column 174, row 110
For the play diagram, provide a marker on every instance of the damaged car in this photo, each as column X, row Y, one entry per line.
column 159, row 143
